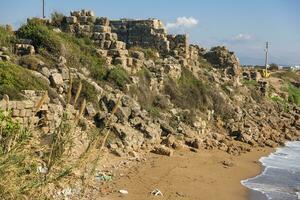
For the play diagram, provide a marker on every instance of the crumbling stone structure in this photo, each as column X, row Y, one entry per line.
column 179, row 45
column 222, row 58
column 149, row 33
column 24, row 49
column 114, row 37
column 24, row 111
column 84, row 23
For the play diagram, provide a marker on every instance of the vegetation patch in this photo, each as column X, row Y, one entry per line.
column 149, row 53
column 188, row 92
column 42, row 37
column 14, row 79
column 294, row 94
column 30, row 62
column 119, row 77
column 7, row 36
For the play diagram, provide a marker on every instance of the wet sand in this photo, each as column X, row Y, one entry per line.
column 191, row 176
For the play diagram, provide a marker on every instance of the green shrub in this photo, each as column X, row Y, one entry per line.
column 118, row 76
column 287, row 75
column 88, row 91
column 294, row 94
column 189, row 92
column 30, row 61
column 14, row 79
column 7, row 37
column 41, row 36
column 81, row 52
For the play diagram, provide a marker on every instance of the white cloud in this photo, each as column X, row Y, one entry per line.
column 183, row 22
column 242, row 37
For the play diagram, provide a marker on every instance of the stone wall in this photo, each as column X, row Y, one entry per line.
column 114, row 37
column 179, row 45
column 149, row 33
column 47, row 117
column 84, row 23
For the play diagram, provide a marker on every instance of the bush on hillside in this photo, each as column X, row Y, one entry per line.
column 41, row 36
column 14, row 79
column 118, row 76
column 189, row 92
column 294, row 94
column 7, row 36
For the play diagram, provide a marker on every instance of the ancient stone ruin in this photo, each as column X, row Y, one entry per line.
column 115, row 37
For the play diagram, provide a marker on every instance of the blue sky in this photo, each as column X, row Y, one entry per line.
column 242, row 25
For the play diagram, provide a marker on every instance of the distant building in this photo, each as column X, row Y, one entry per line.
column 295, row 67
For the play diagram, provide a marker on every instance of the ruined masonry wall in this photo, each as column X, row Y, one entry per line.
column 115, row 36
column 47, row 118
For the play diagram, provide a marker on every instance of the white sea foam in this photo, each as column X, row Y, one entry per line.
column 280, row 179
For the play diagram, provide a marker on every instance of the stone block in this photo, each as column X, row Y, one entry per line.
column 4, row 57
column 101, row 29
column 24, row 49
column 64, row 73
column 12, row 104
column 163, row 150
column 108, row 60
column 56, row 80
column 101, row 52
column 28, row 113
column 138, row 55
column 28, row 104
column 111, row 36
column 102, row 21
column 15, row 113
column 85, row 28
column 129, row 61
column 117, row 53
column 45, row 71
column 107, row 44
column 75, row 13
column 90, row 13
column 71, row 20
column 90, row 110
column 137, row 62
column 20, row 105
column 83, row 19
column 22, row 113
column 120, row 61
column 98, row 36
column 118, row 45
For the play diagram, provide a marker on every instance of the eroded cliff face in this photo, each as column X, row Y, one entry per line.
column 154, row 92
column 183, row 90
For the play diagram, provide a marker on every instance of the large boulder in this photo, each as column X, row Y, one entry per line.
column 130, row 137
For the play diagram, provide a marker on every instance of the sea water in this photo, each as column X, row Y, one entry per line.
column 280, row 179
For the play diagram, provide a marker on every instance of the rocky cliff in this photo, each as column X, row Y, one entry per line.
column 82, row 84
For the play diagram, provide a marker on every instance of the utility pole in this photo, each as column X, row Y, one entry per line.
column 44, row 9
column 267, row 55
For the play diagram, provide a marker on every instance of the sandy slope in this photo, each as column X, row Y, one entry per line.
column 190, row 176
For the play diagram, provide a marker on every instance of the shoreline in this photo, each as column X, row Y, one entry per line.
column 207, row 174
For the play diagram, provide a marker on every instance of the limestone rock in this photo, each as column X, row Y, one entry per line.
column 56, row 79
column 162, row 150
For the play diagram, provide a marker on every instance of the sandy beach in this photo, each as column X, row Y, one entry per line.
column 191, row 176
